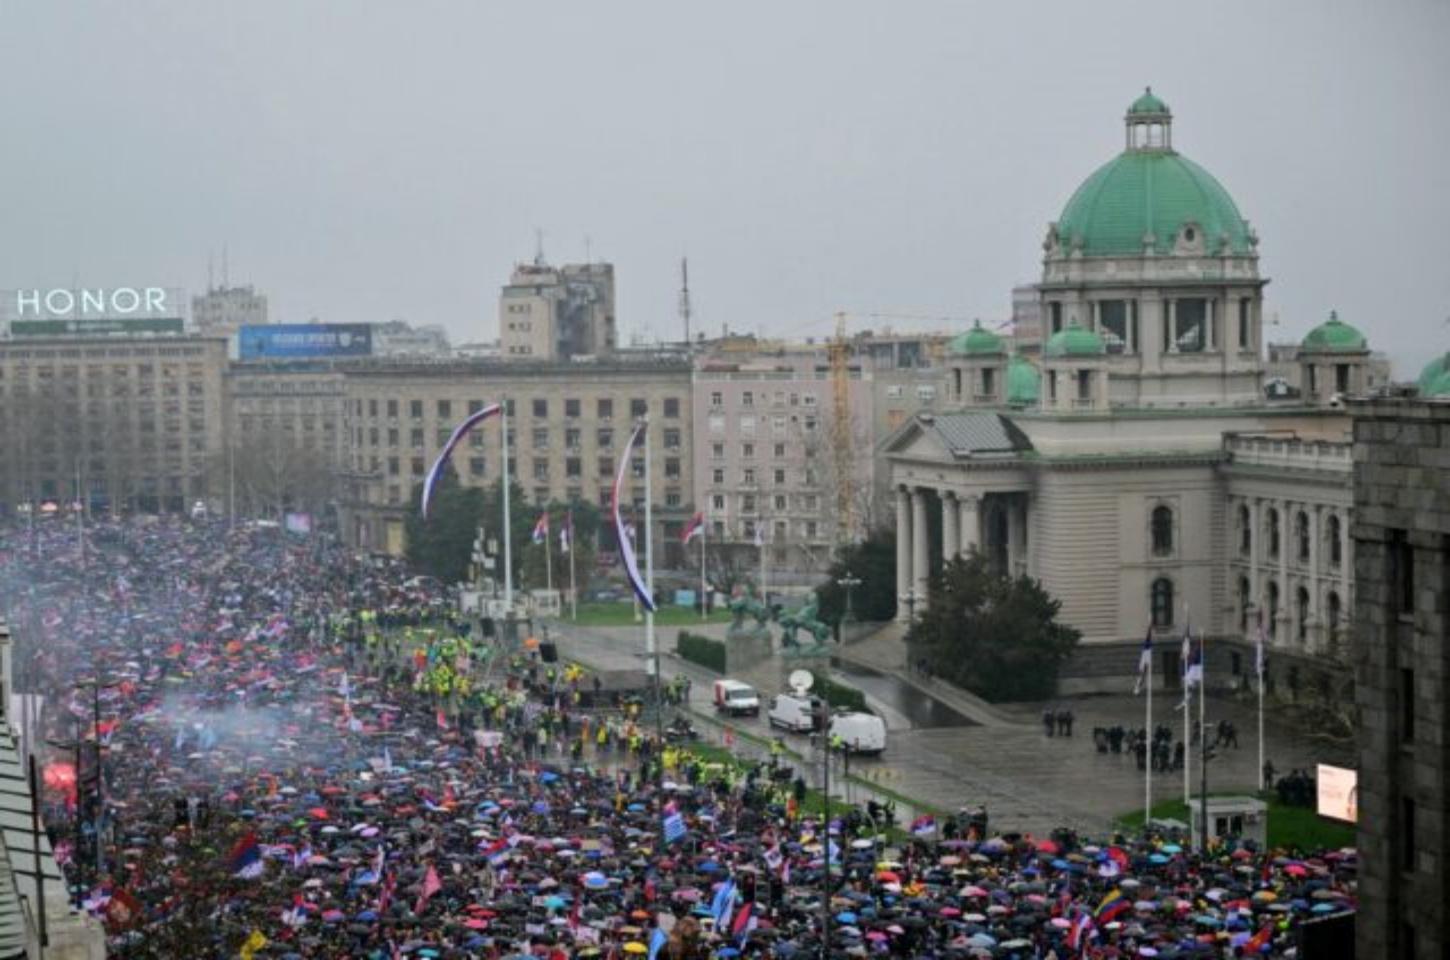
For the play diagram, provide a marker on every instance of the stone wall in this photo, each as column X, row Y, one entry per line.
column 1402, row 665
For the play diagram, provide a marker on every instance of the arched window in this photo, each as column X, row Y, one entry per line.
column 1271, row 522
column 1244, row 605
column 1336, row 548
column 1271, row 598
column 1246, row 531
column 1162, row 602
column 1332, row 610
column 1301, row 613
column 1301, row 533
column 1162, row 526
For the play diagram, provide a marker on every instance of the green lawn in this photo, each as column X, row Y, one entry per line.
column 622, row 615
column 1297, row 828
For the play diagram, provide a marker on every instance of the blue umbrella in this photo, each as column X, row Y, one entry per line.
column 553, row 902
column 367, row 916
column 845, row 916
column 1157, row 858
column 540, row 807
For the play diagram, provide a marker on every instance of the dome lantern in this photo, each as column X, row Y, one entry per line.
column 1149, row 123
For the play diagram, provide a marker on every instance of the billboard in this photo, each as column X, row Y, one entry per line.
column 1338, row 793
column 92, row 303
column 90, row 327
column 292, row 340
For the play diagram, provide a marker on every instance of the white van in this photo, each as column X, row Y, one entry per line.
column 860, row 732
column 735, row 698
column 793, row 713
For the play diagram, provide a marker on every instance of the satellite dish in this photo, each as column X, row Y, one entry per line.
column 800, row 680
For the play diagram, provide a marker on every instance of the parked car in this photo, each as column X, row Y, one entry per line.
column 794, row 713
column 860, row 732
column 735, row 698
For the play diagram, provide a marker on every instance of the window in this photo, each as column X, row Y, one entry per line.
column 1054, row 314
column 541, row 438
column 779, row 451
column 638, row 407
column 810, row 502
column 717, row 399
column 812, row 529
column 1113, row 324
column 1191, row 325
column 747, row 504
column 606, row 467
column 1336, row 549
column 604, row 437
column 1301, row 533
column 1407, row 705
column 415, row 437
column 1271, row 597
column 1402, row 573
column 717, row 502
column 573, row 467
column 474, row 406
column 541, row 469
column 989, row 382
column 394, row 468
column 393, row 409
column 1341, row 378
column 441, row 435
column 415, row 409
column 417, row 466
column 572, row 437
column 1246, row 531
column 1084, row 385
column 1162, row 528
column 747, row 450
column 672, row 438
column 1272, row 524
column 476, row 466
column 541, row 407
column 1332, row 611
column 747, row 399
column 747, row 424
column 717, row 423
column 779, row 502
column 636, row 469
column 604, row 408
column 1301, row 601
column 672, row 499
column 779, row 477
column 445, row 409
column 777, row 424
column 672, row 468
column 1244, row 322
column 571, row 406
column 672, row 407
column 717, row 451
column 717, row 476
column 810, row 398
column 1162, row 602
column 392, row 436
column 1245, row 598
column 749, row 475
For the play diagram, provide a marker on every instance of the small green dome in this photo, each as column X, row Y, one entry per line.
column 1024, row 382
column 1433, row 371
column 1148, row 103
column 977, row 340
column 1334, row 336
column 1074, row 341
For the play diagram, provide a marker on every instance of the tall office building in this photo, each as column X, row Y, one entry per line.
column 1402, row 657
column 550, row 313
column 223, row 310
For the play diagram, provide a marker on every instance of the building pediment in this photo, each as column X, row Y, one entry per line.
column 957, row 436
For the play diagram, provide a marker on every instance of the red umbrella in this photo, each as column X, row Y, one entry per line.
column 318, row 813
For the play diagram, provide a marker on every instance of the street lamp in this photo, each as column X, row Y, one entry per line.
column 849, row 582
column 74, row 745
column 96, row 685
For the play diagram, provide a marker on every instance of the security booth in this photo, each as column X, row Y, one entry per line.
column 1238, row 818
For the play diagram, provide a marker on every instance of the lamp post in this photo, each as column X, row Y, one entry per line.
column 75, row 745
column 96, row 685
column 849, row 582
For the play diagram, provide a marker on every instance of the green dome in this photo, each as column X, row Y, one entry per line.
column 1150, row 189
column 977, row 340
column 1024, row 383
column 1074, row 341
column 1148, row 103
column 1433, row 371
column 1335, row 336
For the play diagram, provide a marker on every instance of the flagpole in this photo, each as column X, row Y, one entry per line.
column 1202, row 739
column 1148, row 734
column 1187, row 708
column 573, row 589
column 508, row 557
column 1259, row 669
column 704, row 597
column 548, row 556
column 651, row 649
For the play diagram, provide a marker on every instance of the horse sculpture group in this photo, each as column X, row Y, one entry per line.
column 744, row 606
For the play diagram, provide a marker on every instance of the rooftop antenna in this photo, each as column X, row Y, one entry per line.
column 226, row 282
column 210, row 272
column 588, row 250
column 538, row 247
column 685, row 296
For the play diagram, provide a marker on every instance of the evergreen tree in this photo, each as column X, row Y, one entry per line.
column 873, row 562
column 994, row 635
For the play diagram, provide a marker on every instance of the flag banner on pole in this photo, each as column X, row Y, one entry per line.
column 1145, row 663
column 430, row 481
column 1193, row 675
column 760, row 534
column 541, row 528
column 1261, row 660
column 675, row 827
column 626, row 542
column 657, row 941
column 566, row 532
column 694, row 528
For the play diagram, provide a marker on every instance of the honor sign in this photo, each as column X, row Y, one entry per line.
column 64, row 310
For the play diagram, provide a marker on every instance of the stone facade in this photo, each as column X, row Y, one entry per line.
column 550, row 313
column 1401, row 652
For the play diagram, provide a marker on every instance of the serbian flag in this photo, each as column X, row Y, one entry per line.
column 1113, row 905
column 1260, row 940
column 431, row 885
column 245, row 859
column 693, row 529
column 435, row 472
column 626, row 542
column 1080, row 932
column 541, row 528
column 740, row 926
column 923, row 825
column 1145, row 663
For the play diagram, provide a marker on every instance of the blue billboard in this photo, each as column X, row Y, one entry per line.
column 292, row 340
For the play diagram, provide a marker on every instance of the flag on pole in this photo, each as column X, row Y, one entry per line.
column 246, row 858
column 760, row 534
column 1261, row 660
column 657, row 941
column 724, row 900
column 694, row 528
column 541, row 528
column 566, row 532
column 1080, row 932
column 674, row 827
column 1145, row 663
column 431, row 885
column 1112, row 906
column 1193, row 672
column 626, row 538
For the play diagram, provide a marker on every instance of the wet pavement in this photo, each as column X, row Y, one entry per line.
column 923, row 713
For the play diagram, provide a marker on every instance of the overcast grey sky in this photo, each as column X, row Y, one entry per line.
column 365, row 160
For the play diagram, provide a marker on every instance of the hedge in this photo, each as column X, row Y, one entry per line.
column 838, row 694
column 702, row 650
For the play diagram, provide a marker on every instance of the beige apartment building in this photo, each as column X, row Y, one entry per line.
column 136, row 421
column 568, row 424
column 548, row 313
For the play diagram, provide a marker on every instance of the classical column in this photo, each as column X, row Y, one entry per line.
column 920, row 562
column 1256, row 546
column 903, row 551
column 951, row 543
column 971, row 527
column 1286, row 596
column 1316, row 595
column 1017, row 535
column 1346, row 567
